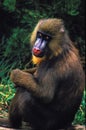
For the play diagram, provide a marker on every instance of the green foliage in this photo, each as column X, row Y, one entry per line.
column 9, row 4
column 16, row 44
column 15, row 51
column 31, row 18
column 72, row 7
column 6, row 93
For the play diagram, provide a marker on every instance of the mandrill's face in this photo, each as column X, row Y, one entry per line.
column 41, row 44
column 40, row 47
column 45, row 39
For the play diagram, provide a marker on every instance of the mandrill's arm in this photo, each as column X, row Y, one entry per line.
column 31, row 70
column 27, row 80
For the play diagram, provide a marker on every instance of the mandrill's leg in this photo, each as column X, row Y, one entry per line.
column 20, row 108
column 15, row 117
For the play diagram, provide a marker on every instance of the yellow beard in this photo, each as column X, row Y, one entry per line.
column 37, row 60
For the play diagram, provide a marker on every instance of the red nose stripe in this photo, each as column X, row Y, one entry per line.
column 36, row 51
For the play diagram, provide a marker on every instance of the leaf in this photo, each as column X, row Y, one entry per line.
column 10, row 4
column 2, row 94
column 10, row 97
column 73, row 12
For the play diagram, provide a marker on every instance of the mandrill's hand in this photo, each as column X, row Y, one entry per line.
column 19, row 77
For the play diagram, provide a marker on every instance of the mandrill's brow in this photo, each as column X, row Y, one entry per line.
column 44, row 33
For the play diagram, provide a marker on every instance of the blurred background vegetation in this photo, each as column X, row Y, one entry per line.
column 17, row 20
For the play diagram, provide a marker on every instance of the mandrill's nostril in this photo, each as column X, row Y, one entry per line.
column 36, row 51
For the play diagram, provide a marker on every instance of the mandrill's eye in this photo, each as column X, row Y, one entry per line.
column 39, row 34
column 43, row 36
column 47, row 37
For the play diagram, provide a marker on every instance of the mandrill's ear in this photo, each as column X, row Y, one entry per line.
column 62, row 29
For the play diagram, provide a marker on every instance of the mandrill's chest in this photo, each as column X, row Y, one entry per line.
column 40, row 74
column 45, row 72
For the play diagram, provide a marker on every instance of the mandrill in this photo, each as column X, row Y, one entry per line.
column 48, row 96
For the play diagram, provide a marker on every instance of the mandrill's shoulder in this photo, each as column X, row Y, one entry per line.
column 68, row 64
